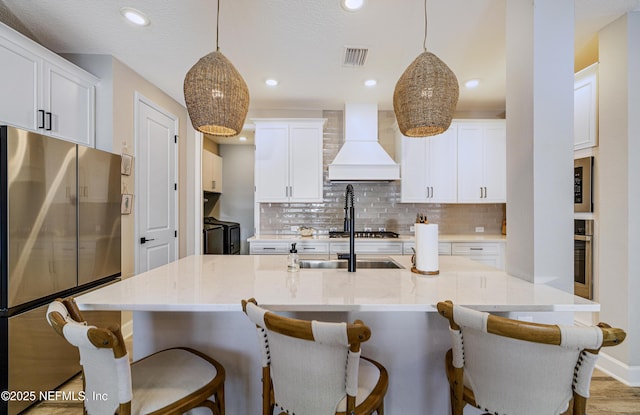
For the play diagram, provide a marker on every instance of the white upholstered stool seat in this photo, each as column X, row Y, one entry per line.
column 163, row 378
column 171, row 381
column 314, row 367
column 512, row 367
column 368, row 377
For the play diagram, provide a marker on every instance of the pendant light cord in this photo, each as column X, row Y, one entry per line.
column 218, row 26
column 424, row 42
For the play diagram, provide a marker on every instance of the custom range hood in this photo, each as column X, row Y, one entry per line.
column 362, row 158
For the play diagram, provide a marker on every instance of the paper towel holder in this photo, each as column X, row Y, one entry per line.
column 416, row 270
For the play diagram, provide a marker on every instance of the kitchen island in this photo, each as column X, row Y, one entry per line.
column 195, row 302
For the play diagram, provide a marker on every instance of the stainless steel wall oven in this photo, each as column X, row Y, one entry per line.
column 583, row 258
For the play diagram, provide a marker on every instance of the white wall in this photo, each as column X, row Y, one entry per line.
column 619, row 190
column 236, row 203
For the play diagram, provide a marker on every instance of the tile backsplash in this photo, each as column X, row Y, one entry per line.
column 377, row 205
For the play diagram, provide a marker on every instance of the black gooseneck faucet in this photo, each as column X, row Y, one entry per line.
column 350, row 225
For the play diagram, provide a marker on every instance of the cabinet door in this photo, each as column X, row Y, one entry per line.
column 216, row 171
column 69, row 103
column 207, row 171
column 272, row 163
column 482, row 162
column 443, row 167
column 211, row 172
column 305, row 158
column 495, row 164
column 19, row 83
column 585, row 107
column 413, row 183
column 470, row 164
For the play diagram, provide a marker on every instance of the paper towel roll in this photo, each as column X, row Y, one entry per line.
column 427, row 248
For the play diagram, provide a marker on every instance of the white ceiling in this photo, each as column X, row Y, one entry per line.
column 300, row 43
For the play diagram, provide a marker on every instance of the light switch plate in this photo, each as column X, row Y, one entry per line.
column 479, row 229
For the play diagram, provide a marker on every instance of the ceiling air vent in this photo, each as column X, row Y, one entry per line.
column 354, row 56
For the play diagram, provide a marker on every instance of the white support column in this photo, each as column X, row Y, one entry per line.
column 540, row 141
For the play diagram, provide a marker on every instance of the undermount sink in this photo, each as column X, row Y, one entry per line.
column 342, row 263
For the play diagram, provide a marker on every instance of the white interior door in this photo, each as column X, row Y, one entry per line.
column 156, row 184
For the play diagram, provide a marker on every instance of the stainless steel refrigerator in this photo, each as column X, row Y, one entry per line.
column 59, row 236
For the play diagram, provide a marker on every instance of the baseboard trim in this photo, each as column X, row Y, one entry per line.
column 629, row 375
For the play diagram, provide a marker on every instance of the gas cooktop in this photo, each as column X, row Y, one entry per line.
column 364, row 234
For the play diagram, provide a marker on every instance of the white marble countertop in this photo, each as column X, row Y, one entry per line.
column 471, row 237
column 220, row 282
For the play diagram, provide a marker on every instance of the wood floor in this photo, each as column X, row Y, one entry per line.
column 608, row 397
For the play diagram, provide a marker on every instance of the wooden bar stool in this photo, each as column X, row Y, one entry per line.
column 512, row 367
column 315, row 368
column 171, row 381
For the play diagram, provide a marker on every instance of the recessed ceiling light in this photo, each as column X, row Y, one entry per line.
column 271, row 82
column 370, row 82
column 135, row 16
column 472, row 83
column 242, row 138
column 352, row 5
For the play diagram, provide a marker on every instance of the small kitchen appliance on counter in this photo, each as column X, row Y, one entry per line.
column 230, row 235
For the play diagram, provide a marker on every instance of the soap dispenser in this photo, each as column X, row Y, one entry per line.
column 293, row 264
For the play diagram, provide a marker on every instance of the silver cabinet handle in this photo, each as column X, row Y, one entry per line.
column 431, row 191
column 476, row 249
column 213, row 184
column 480, row 192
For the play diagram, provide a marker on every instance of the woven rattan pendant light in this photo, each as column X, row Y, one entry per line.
column 217, row 97
column 426, row 94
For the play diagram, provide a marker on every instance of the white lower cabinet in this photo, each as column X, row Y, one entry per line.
column 444, row 248
column 367, row 247
column 490, row 253
column 269, row 248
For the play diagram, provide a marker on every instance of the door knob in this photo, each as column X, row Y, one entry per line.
column 144, row 240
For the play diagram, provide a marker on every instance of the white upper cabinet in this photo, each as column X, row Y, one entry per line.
column 49, row 95
column 585, row 107
column 289, row 160
column 69, row 104
column 20, row 73
column 482, row 162
column 429, row 168
column 211, row 172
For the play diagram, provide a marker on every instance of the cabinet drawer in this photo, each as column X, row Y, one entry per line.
column 269, row 248
column 364, row 247
column 475, row 248
column 444, row 248
column 305, row 247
